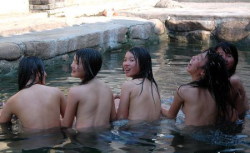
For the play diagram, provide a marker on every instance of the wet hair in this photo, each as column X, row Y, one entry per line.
column 143, row 58
column 217, row 82
column 91, row 62
column 229, row 48
column 29, row 68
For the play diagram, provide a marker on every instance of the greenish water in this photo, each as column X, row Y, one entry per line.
column 169, row 63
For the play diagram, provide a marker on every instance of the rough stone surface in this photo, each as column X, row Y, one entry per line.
column 9, row 51
column 233, row 30
column 41, row 49
column 49, row 36
column 226, row 21
column 7, row 66
column 159, row 27
column 199, row 35
column 168, row 4
column 96, row 32
column 192, row 36
column 190, row 25
column 141, row 31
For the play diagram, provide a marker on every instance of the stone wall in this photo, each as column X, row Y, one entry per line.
column 203, row 29
column 145, row 25
column 201, row 22
column 105, row 34
column 41, row 5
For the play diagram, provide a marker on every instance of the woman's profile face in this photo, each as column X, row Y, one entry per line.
column 196, row 63
column 229, row 59
column 77, row 69
column 130, row 65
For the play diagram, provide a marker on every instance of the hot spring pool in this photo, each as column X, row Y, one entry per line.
column 169, row 62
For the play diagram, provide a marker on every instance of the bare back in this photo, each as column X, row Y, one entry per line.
column 199, row 106
column 138, row 104
column 91, row 104
column 37, row 107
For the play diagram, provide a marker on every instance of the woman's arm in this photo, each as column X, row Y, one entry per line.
column 62, row 103
column 113, row 110
column 6, row 112
column 241, row 99
column 174, row 108
column 123, row 109
column 71, row 109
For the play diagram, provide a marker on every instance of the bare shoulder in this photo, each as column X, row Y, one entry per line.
column 13, row 98
column 108, row 89
column 236, row 83
column 105, row 85
column 184, row 88
column 235, row 80
column 75, row 89
column 52, row 89
column 129, row 84
column 235, row 77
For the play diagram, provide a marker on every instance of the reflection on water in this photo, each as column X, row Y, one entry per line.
column 122, row 136
column 169, row 62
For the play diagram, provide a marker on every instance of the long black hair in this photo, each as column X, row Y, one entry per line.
column 29, row 68
column 145, row 65
column 91, row 62
column 229, row 48
column 217, row 82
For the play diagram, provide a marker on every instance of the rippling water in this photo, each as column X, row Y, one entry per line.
column 169, row 63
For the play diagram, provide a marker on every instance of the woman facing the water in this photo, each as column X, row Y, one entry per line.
column 36, row 105
column 140, row 98
column 205, row 100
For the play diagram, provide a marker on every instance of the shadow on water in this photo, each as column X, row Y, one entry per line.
column 169, row 62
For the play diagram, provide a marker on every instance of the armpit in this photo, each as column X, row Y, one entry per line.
column 179, row 92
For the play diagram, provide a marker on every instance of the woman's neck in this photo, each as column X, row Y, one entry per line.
column 35, row 82
column 195, row 78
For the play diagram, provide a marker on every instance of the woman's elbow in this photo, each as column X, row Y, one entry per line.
column 167, row 114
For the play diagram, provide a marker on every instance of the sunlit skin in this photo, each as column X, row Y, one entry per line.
column 130, row 65
column 37, row 107
column 133, row 103
column 196, row 103
column 38, row 82
column 227, row 57
column 239, row 92
column 89, row 104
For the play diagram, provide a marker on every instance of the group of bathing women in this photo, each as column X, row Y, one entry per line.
column 215, row 94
